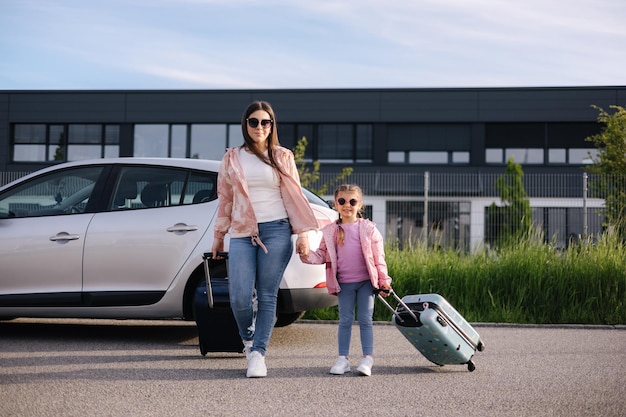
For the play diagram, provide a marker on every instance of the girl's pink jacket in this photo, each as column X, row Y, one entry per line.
column 235, row 211
column 373, row 251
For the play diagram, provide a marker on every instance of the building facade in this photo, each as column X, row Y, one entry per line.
column 416, row 152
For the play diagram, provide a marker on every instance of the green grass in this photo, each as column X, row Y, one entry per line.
column 528, row 282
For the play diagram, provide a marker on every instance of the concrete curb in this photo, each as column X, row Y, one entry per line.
column 504, row 325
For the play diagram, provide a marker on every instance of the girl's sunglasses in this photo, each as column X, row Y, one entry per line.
column 254, row 122
column 342, row 201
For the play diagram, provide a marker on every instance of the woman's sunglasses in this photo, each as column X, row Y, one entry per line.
column 254, row 122
column 342, row 201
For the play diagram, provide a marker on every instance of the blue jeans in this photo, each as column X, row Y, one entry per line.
column 250, row 268
column 361, row 294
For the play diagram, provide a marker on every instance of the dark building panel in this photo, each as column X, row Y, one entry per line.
column 543, row 104
column 186, row 107
column 326, row 106
column 571, row 135
column 75, row 107
column 515, row 135
column 477, row 152
column 429, row 137
column 4, row 105
column 291, row 106
column 4, row 128
column 429, row 105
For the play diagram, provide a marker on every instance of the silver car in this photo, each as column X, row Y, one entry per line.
column 124, row 238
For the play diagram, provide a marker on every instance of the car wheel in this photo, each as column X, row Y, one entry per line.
column 285, row 319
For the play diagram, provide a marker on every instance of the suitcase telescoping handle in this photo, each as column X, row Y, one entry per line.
column 208, row 257
column 391, row 292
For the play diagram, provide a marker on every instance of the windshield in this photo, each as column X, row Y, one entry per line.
column 314, row 198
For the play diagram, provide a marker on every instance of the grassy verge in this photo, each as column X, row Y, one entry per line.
column 528, row 282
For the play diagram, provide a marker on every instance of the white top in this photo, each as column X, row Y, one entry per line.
column 264, row 188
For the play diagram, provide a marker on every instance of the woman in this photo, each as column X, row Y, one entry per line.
column 261, row 203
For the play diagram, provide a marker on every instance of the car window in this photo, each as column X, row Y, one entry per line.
column 201, row 187
column 54, row 193
column 148, row 187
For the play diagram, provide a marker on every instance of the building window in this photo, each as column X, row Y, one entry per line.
column 557, row 156
column 416, row 157
column 494, row 156
column 364, row 143
column 152, row 141
column 460, row 157
column 306, row 130
column 64, row 142
column 235, row 137
column 427, row 157
column 207, row 141
column 524, row 155
column 179, row 140
column 198, row 141
column 579, row 156
column 396, row 157
column 331, row 143
column 335, row 143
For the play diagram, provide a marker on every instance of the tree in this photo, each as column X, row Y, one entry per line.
column 309, row 177
column 610, row 164
column 513, row 219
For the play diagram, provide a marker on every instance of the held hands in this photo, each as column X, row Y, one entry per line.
column 302, row 246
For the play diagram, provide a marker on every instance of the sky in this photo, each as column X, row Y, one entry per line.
column 310, row 44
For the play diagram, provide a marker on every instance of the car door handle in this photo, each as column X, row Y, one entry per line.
column 63, row 236
column 182, row 227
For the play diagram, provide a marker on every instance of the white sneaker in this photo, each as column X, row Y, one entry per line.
column 365, row 367
column 247, row 348
column 256, row 365
column 341, row 366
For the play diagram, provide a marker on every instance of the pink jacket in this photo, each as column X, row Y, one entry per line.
column 235, row 211
column 373, row 252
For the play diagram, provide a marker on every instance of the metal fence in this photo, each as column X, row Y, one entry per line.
column 451, row 210
column 7, row 177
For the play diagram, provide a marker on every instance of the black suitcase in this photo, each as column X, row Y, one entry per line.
column 217, row 328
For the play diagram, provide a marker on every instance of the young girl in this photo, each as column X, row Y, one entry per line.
column 353, row 247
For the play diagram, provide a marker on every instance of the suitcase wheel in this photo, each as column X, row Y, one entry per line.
column 480, row 346
column 470, row 366
column 203, row 350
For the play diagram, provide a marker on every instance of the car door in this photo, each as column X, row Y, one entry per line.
column 42, row 235
column 135, row 250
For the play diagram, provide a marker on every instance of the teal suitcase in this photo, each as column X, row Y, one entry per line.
column 436, row 329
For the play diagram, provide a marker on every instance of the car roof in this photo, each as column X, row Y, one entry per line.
column 203, row 164
column 199, row 164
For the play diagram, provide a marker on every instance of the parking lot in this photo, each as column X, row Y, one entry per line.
column 154, row 368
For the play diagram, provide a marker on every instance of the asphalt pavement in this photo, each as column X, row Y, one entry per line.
column 154, row 368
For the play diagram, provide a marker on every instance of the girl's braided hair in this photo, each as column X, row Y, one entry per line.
column 347, row 188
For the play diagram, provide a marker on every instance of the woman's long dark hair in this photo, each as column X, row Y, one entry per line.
column 272, row 139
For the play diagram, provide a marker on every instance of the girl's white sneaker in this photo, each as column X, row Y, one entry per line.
column 365, row 367
column 341, row 366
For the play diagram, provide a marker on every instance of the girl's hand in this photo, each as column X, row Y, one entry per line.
column 384, row 290
column 302, row 246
